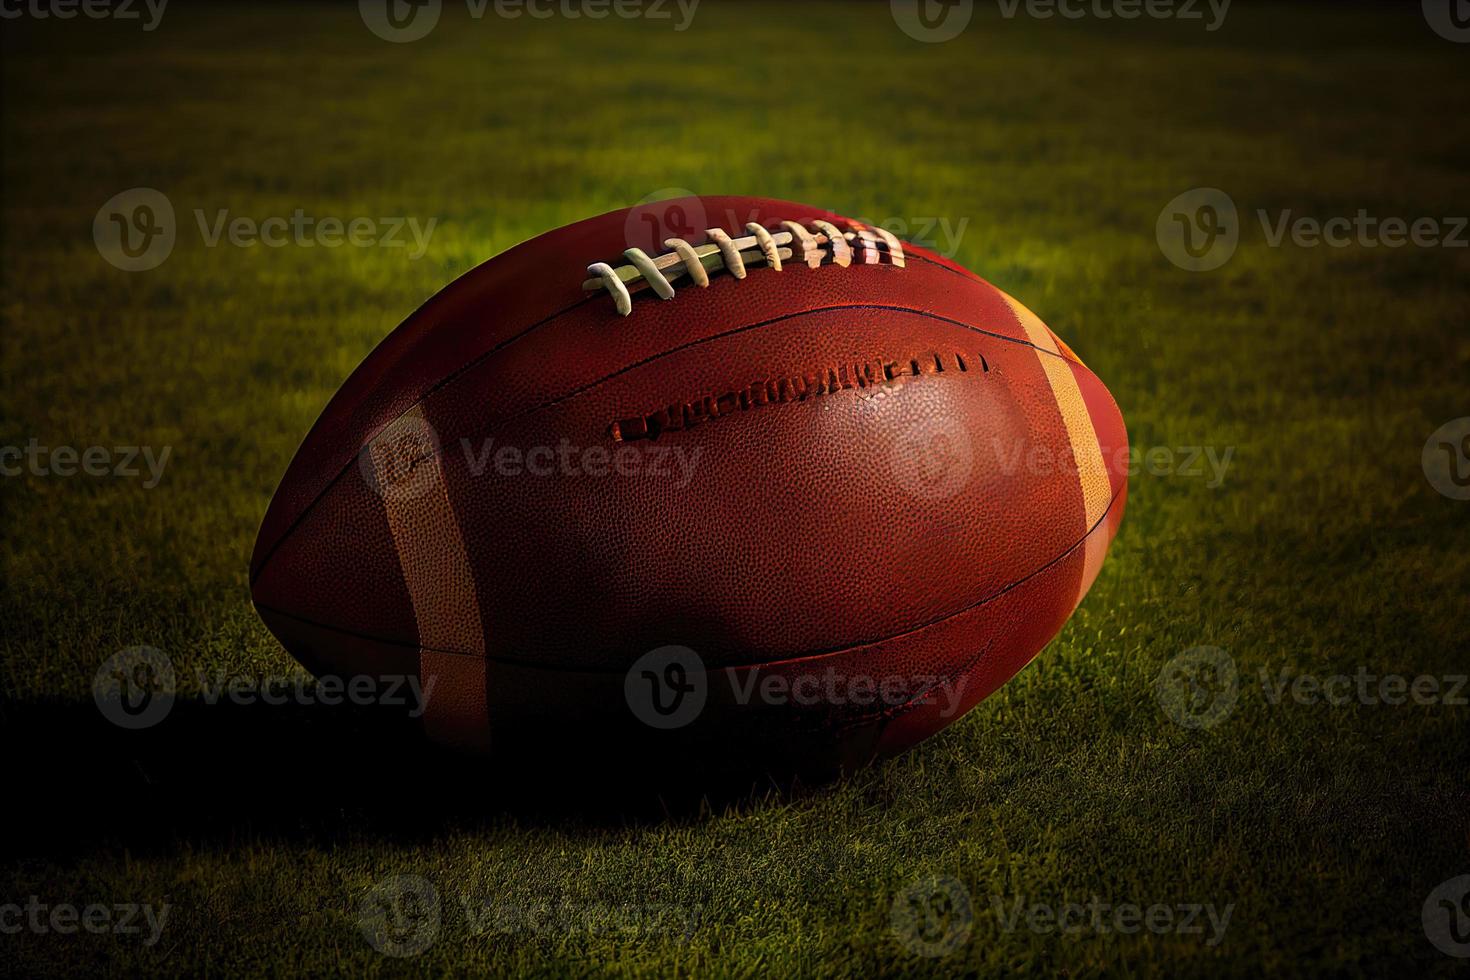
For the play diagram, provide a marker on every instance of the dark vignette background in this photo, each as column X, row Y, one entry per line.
column 1041, row 153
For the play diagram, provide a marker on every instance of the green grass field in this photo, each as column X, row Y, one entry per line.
column 1323, row 550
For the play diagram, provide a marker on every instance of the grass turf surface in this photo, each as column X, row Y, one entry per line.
column 1323, row 550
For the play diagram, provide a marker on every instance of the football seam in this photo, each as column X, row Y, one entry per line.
column 346, row 467
column 730, row 333
column 449, row 378
column 887, row 715
column 847, row 648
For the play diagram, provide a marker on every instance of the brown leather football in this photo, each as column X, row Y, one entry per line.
column 724, row 472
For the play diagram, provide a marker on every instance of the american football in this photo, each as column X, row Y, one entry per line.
column 697, row 488
column 785, row 485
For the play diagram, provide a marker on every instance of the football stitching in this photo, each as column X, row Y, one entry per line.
column 724, row 252
column 785, row 389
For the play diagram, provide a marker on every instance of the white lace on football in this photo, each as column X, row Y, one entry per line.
column 868, row 246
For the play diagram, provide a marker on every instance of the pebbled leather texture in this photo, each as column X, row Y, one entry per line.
column 934, row 522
